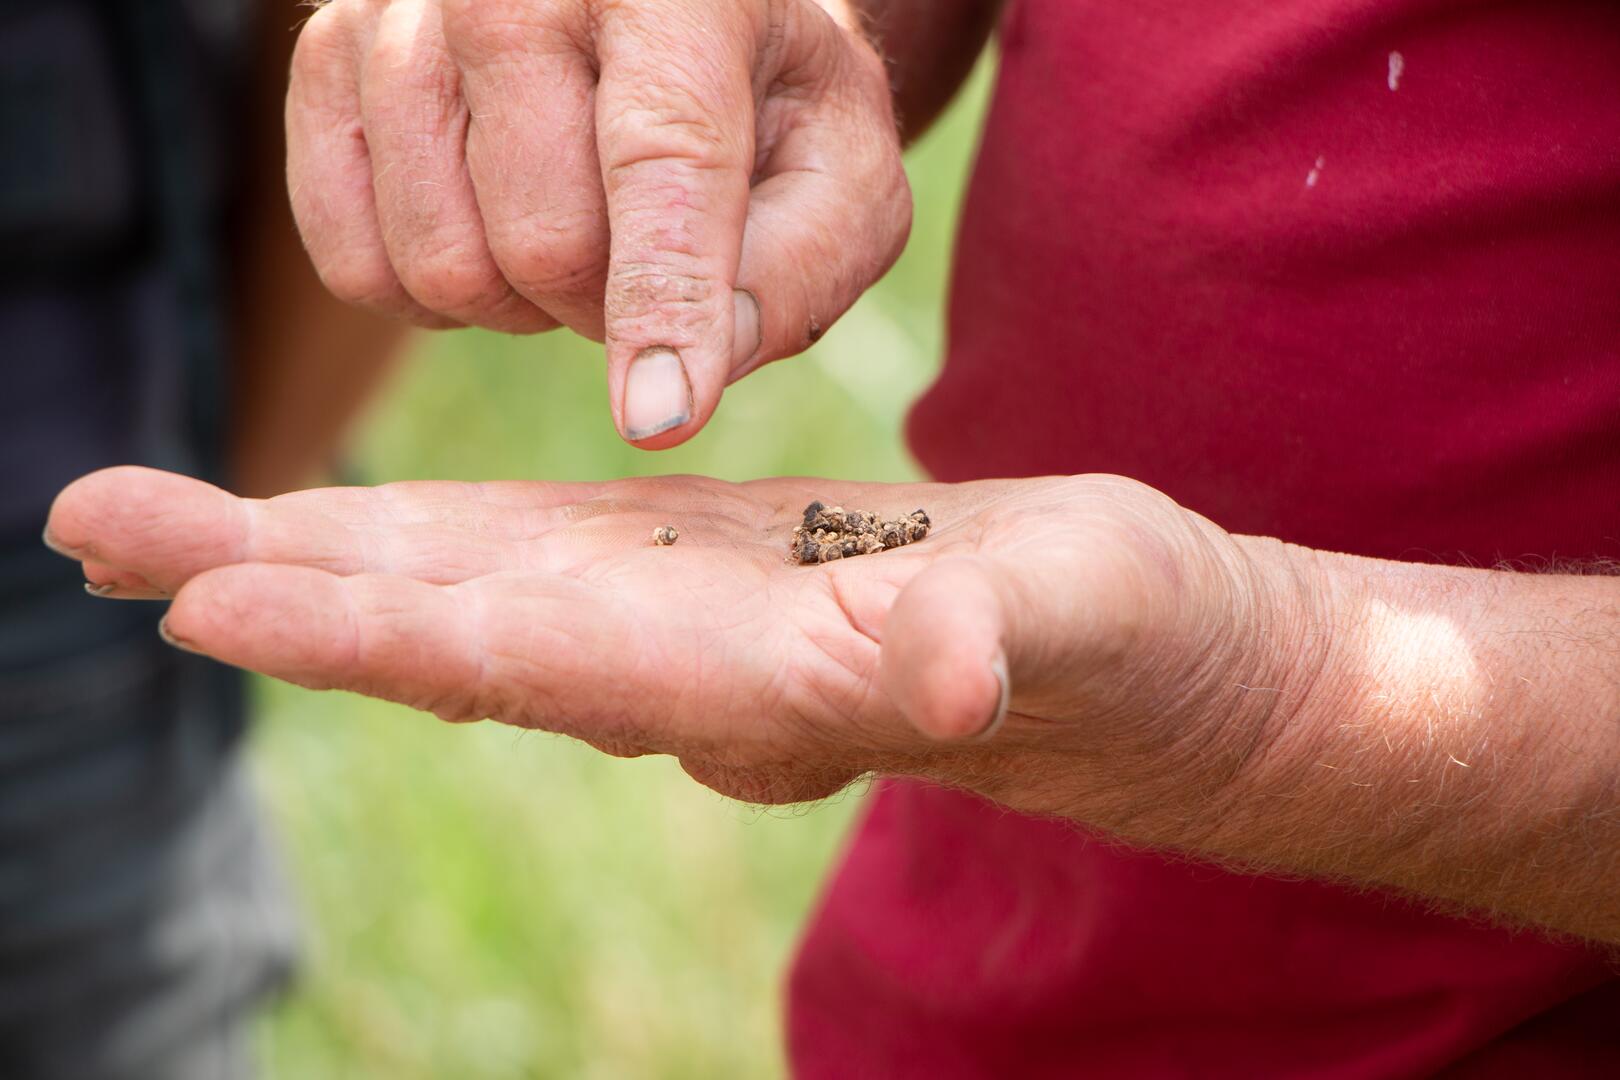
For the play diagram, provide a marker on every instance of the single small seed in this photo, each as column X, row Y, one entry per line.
column 665, row 535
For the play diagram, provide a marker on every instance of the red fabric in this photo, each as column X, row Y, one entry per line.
column 1209, row 246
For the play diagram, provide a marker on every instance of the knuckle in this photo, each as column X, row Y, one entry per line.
column 554, row 257
column 655, row 293
column 453, row 278
column 669, row 134
column 362, row 281
column 646, row 285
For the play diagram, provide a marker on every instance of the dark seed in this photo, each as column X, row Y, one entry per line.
column 831, row 532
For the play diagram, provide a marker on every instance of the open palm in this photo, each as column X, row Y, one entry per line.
column 548, row 606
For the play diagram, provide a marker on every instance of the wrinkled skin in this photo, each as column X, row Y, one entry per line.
column 620, row 167
column 548, row 606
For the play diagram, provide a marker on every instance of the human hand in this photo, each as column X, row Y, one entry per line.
column 1115, row 624
column 705, row 184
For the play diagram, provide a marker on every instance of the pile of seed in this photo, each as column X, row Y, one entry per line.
column 831, row 532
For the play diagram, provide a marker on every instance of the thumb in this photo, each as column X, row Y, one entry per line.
column 944, row 659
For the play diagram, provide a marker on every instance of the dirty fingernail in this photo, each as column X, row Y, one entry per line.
column 747, row 336
column 998, row 668
column 657, row 395
column 178, row 642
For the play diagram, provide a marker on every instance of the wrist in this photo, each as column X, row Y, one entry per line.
column 1206, row 652
column 1289, row 684
column 1240, row 676
column 1295, row 660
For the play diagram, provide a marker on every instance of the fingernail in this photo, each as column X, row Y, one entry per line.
column 56, row 545
column 657, row 395
column 114, row 591
column 747, row 334
column 998, row 668
column 168, row 636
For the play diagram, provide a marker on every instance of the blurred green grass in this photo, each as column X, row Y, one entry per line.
column 486, row 903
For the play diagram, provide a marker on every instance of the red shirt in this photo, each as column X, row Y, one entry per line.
column 1345, row 272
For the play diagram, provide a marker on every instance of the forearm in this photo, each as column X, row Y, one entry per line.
column 304, row 362
column 1457, row 735
column 1451, row 733
column 930, row 46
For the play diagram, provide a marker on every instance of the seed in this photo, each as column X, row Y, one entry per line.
column 831, row 532
column 665, row 535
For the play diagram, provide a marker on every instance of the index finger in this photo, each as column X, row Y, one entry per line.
column 675, row 134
